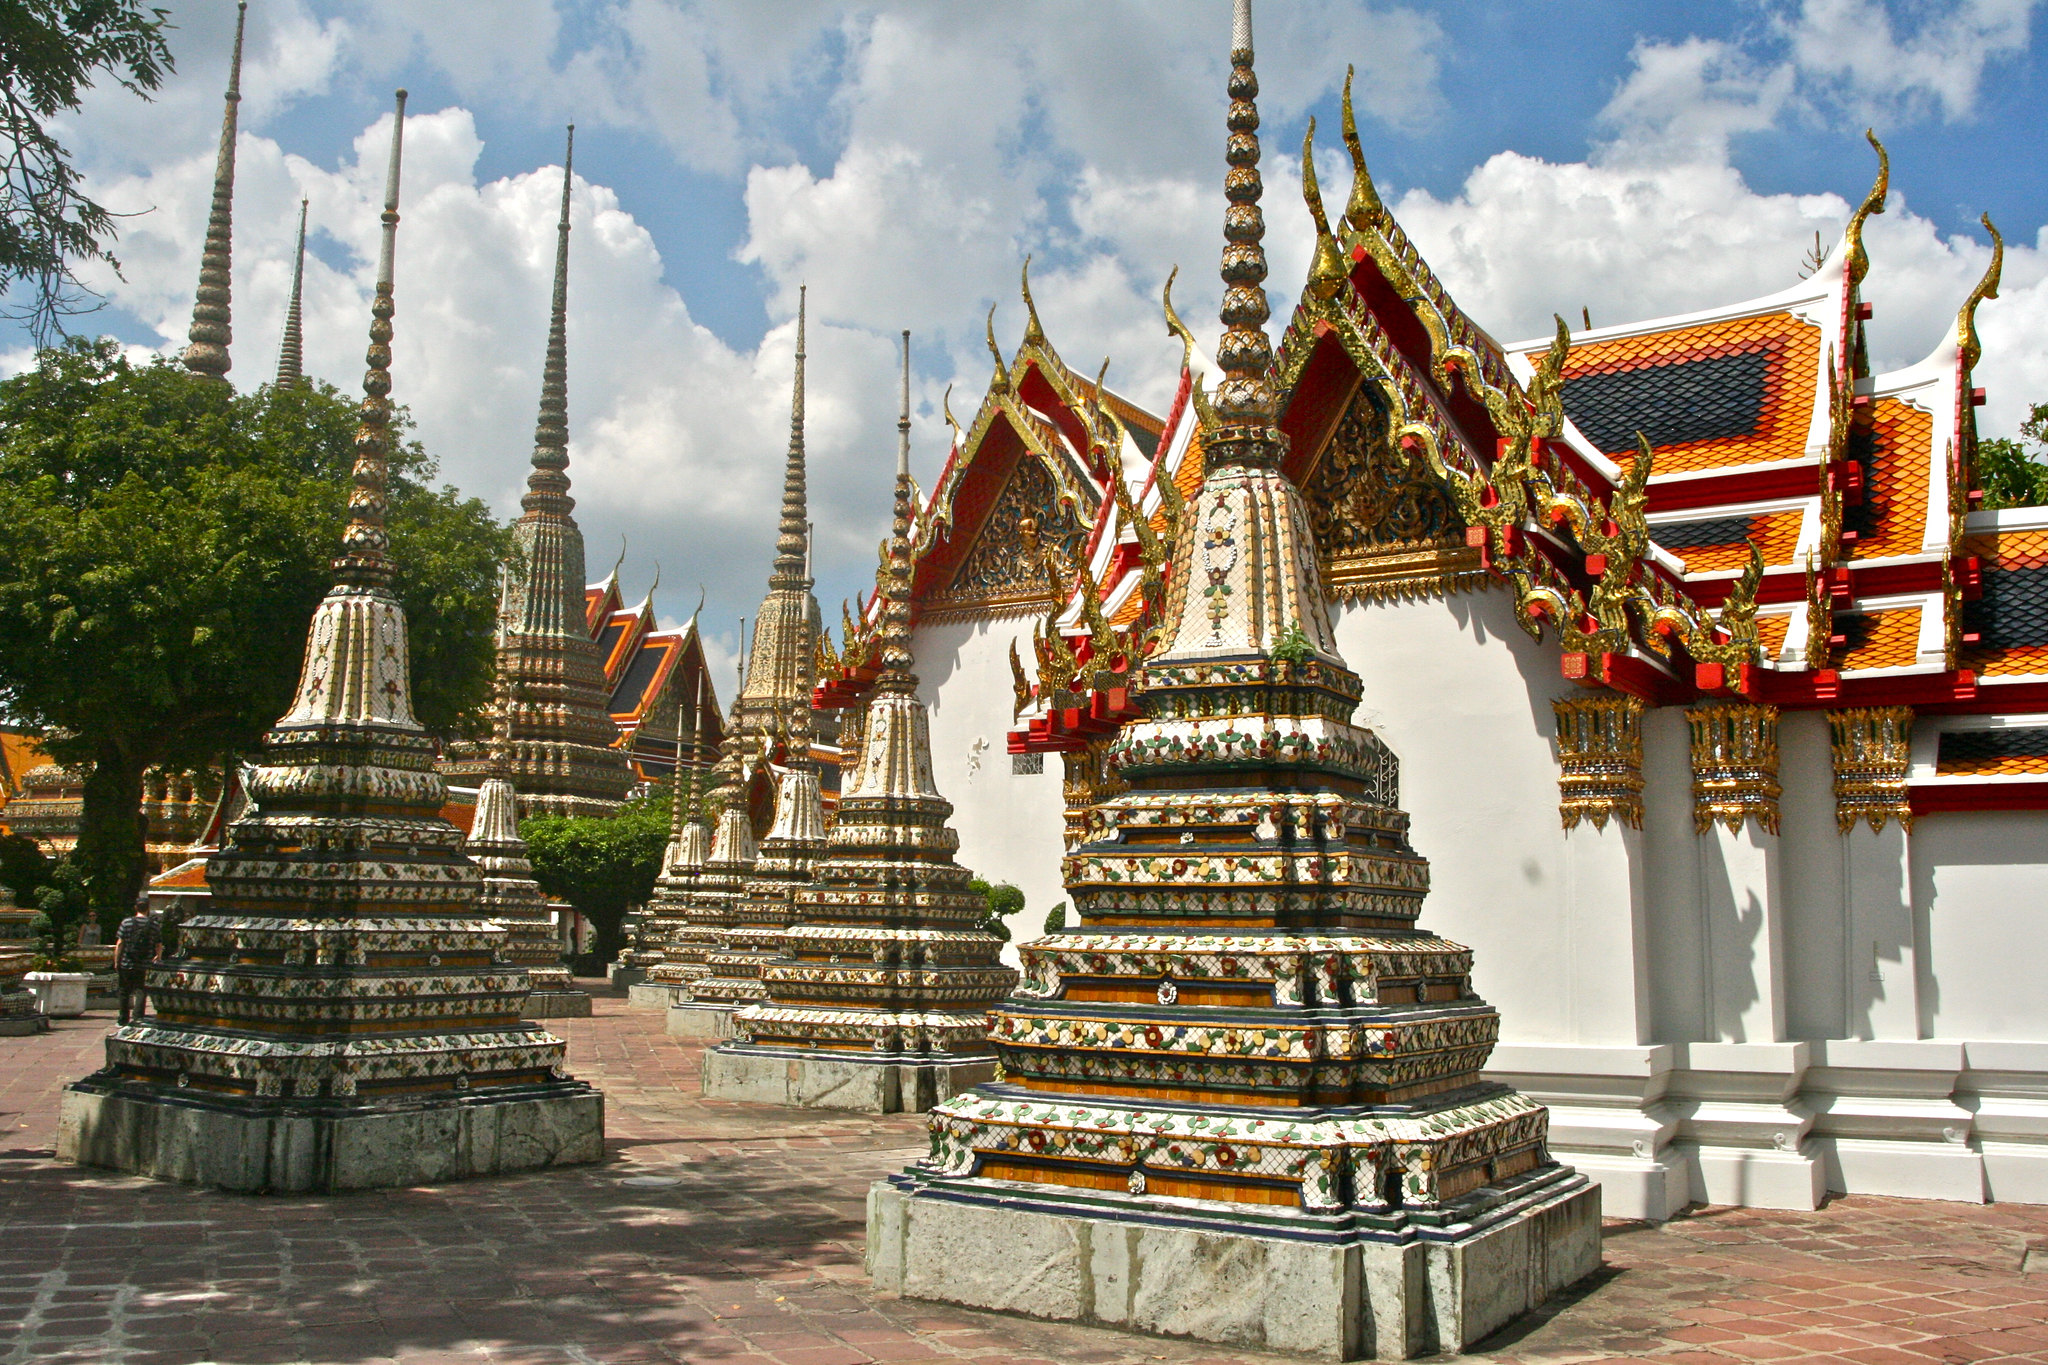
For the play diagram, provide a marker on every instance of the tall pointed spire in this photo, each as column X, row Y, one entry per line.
column 210, row 333
column 792, row 542
column 291, row 359
column 564, row 755
column 895, row 633
column 363, row 561
column 1244, row 402
column 547, row 488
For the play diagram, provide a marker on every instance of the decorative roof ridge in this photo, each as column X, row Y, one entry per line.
column 212, row 313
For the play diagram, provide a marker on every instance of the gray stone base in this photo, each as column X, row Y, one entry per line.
column 822, row 1081
column 624, row 978
column 1178, row 1268
column 556, row 1005
column 23, row 1025
column 650, row 995
column 254, row 1151
column 706, row 1023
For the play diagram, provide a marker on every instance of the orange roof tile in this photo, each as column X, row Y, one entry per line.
column 1771, row 632
column 2009, row 549
column 1776, row 535
column 1995, row 765
column 1790, row 350
column 1881, row 639
column 188, row 875
column 1893, row 517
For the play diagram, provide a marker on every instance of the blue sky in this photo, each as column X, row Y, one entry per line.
column 1635, row 159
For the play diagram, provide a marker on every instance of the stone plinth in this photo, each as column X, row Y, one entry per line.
column 699, row 1022
column 889, row 1085
column 60, row 995
column 571, row 1004
column 1331, row 1287
column 277, row 1149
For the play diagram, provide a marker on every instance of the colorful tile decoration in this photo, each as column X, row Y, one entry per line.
column 1712, row 396
column 756, row 922
column 1245, row 1021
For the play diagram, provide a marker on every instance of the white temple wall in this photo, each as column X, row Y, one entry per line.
column 1011, row 825
column 1980, row 896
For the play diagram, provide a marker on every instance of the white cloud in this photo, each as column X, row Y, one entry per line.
column 1854, row 52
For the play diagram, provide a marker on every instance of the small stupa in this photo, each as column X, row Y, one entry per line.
column 711, row 911
column 651, row 961
column 879, row 1001
column 511, row 897
column 760, row 919
column 1242, row 1100
column 341, row 1017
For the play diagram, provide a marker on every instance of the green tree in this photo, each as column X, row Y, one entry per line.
column 1003, row 900
column 163, row 541
column 2013, row 473
column 602, row 867
column 51, row 53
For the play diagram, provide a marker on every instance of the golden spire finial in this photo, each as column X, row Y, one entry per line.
column 1363, row 210
column 211, row 329
column 547, row 486
column 1245, row 402
column 291, row 359
column 364, row 559
column 1002, row 377
column 1203, row 413
column 946, row 406
column 1326, row 269
column 1034, row 335
column 1987, row 288
column 1873, row 202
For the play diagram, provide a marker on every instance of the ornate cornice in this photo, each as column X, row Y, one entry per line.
column 1600, row 760
column 1872, row 748
column 1734, row 765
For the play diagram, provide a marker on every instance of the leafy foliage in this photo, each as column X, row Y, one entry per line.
column 1293, row 646
column 1003, row 900
column 2010, row 472
column 51, row 52
column 603, row 867
column 1056, row 918
column 166, row 541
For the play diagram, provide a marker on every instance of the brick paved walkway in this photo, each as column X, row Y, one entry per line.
column 752, row 1256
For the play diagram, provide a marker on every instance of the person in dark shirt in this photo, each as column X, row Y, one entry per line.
column 141, row 941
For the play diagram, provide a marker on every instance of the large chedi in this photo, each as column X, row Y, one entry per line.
column 551, row 682
column 879, row 999
column 1242, row 1100
column 342, row 1017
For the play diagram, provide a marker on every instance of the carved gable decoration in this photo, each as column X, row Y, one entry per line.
column 1384, row 523
column 998, row 575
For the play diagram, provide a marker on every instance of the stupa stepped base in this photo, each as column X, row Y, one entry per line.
column 275, row 1149
column 1270, row 1277
column 569, row 1004
column 704, row 1022
column 866, row 1083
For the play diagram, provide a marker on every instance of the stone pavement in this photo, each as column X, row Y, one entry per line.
column 732, row 1234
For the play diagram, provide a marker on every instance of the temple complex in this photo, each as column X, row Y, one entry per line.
column 1732, row 743
column 342, row 1017
column 879, row 999
column 561, row 750
column 1246, row 1046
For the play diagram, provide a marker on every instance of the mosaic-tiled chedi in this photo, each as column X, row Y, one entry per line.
column 1247, row 1034
column 512, row 898
column 879, row 1001
column 342, row 1017
column 551, row 681
column 760, row 918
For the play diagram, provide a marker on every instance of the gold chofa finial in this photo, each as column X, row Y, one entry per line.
column 1034, row 335
column 1363, row 210
column 1859, row 259
column 1987, row 288
column 1002, row 377
column 1326, row 268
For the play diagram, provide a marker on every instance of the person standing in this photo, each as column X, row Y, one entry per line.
column 141, row 941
